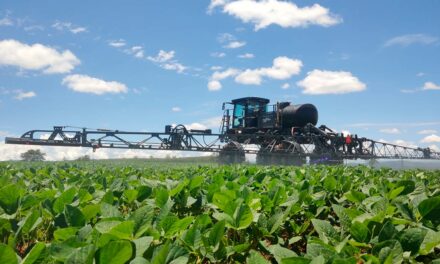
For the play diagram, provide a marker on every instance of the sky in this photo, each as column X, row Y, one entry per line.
column 371, row 68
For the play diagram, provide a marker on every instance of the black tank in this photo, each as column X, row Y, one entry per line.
column 299, row 115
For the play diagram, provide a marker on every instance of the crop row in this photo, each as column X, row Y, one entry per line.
column 226, row 214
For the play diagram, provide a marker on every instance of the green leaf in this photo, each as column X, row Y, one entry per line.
column 179, row 226
column 430, row 209
column 65, row 233
column 162, row 253
column 31, row 222
column 130, row 195
column 280, row 252
column 139, row 260
column 256, row 258
column 161, row 197
column 36, row 255
column 124, row 230
column 82, row 255
column 116, row 252
column 142, row 244
column 330, row 183
column 216, row 234
column 389, row 252
column 360, row 232
column 7, row 254
column 65, row 198
column 91, row 210
column 409, row 185
column 109, row 211
column 325, row 230
column 74, row 216
column 395, row 192
column 296, row 260
column 411, row 239
column 431, row 240
column 387, row 232
column 10, row 198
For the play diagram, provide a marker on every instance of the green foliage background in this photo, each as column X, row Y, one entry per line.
column 85, row 212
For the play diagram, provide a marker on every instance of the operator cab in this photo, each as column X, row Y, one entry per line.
column 245, row 116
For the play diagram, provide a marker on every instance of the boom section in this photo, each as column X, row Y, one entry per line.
column 310, row 141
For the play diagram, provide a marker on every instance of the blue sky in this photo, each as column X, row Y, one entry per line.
column 370, row 67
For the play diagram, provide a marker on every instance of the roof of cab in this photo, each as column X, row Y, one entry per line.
column 247, row 100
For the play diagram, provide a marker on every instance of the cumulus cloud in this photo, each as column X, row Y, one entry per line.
column 166, row 61
column 214, row 82
column 68, row 26
column 283, row 68
column 86, row 84
column 216, row 68
column 36, row 57
column 176, row 109
column 410, row 39
column 431, row 139
column 431, row 86
column 24, row 95
column 117, row 43
column 282, row 13
column 330, row 82
column 427, row 132
column 234, row 45
column 390, row 130
column 246, row 56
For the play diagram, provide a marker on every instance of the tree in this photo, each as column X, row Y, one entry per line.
column 84, row 158
column 33, row 155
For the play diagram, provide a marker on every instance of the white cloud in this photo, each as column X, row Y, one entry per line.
column 283, row 68
column 166, row 61
column 216, row 68
column 69, row 26
column 330, row 82
column 225, row 37
column 390, row 130
column 285, row 14
column 136, row 51
column 176, row 109
column 36, row 57
column 420, row 74
column 214, row 82
column 175, row 66
column 235, row 45
column 434, row 148
column 404, row 143
column 214, row 85
column 117, row 43
column 6, row 21
column 406, row 40
column 246, row 56
column 162, row 56
column 87, row 84
column 25, row 95
column 218, row 54
column 431, row 86
column 427, row 131
column 431, row 139
column 285, row 86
